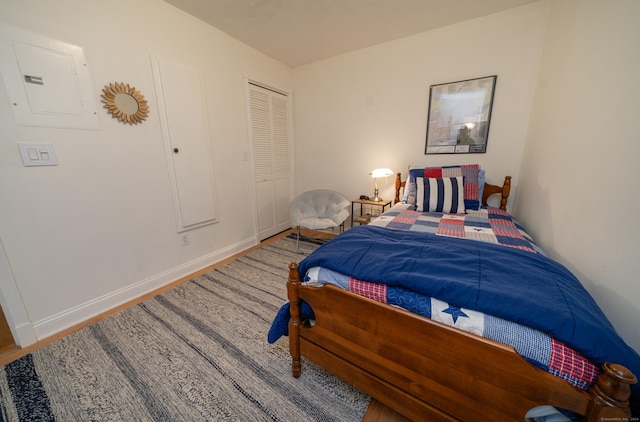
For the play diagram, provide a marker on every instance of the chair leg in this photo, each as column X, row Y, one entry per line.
column 298, row 241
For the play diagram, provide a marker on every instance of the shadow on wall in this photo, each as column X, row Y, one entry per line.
column 617, row 307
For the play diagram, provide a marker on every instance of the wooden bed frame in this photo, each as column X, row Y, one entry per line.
column 429, row 371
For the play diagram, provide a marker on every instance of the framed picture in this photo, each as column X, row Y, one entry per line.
column 459, row 116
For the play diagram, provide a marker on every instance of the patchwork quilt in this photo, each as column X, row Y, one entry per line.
column 487, row 224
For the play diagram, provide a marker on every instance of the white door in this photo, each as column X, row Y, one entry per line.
column 270, row 143
column 186, row 136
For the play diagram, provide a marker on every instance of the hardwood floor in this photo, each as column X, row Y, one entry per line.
column 377, row 412
column 7, row 343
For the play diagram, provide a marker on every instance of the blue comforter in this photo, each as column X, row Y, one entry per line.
column 512, row 284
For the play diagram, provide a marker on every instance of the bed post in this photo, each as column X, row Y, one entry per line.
column 398, row 186
column 611, row 394
column 503, row 190
column 506, row 190
column 294, row 323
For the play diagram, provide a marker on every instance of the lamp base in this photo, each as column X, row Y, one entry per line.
column 376, row 198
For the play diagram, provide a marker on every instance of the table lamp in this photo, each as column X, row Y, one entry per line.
column 376, row 173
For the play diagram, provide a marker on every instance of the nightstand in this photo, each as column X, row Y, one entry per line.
column 375, row 209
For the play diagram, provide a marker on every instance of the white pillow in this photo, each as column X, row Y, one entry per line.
column 444, row 194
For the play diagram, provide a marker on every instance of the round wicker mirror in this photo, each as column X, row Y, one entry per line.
column 125, row 103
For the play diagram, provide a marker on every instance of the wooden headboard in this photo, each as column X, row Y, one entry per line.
column 489, row 190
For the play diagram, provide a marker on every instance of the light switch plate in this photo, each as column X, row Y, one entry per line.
column 38, row 154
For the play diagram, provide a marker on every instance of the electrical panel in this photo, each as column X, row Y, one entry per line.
column 47, row 81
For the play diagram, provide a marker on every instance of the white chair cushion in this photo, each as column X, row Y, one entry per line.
column 319, row 209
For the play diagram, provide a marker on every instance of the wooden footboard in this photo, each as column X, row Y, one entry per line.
column 426, row 370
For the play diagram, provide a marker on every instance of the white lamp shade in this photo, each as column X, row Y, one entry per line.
column 384, row 172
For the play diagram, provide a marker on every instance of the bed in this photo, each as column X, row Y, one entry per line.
column 376, row 334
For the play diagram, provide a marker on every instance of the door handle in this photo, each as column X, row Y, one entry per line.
column 176, row 150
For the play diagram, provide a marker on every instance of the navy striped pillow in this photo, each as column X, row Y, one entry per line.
column 443, row 195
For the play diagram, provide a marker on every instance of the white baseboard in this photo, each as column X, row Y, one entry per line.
column 81, row 313
column 24, row 335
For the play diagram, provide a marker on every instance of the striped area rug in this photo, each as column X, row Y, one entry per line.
column 198, row 352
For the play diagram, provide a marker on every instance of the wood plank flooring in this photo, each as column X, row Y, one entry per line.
column 7, row 342
column 378, row 412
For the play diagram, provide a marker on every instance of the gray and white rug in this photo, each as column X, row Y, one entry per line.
column 198, row 352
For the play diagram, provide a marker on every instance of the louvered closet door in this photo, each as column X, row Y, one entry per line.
column 270, row 147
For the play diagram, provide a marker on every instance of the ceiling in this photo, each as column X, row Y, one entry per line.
column 298, row 32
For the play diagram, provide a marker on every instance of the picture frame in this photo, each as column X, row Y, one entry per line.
column 459, row 116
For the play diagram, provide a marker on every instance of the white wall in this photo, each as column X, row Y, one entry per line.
column 98, row 228
column 368, row 109
column 579, row 180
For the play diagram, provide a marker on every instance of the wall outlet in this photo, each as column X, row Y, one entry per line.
column 184, row 239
